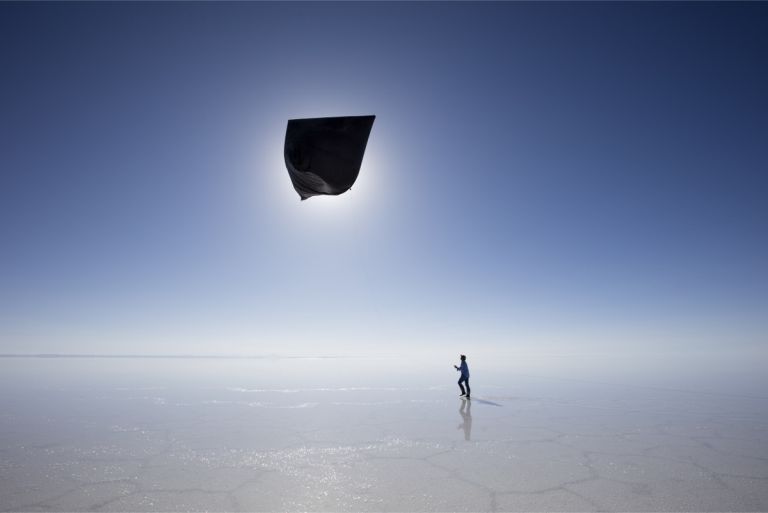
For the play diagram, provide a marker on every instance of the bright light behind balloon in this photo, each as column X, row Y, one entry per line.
column 318, row 212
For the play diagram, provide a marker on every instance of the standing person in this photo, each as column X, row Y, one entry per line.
column 464, row 379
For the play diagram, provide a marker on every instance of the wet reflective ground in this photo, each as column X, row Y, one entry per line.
column 352, row 435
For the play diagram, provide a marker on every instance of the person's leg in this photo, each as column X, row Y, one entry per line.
column 466, row 380
column 462, row 387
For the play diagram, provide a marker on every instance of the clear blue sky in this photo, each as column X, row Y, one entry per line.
column 574, row 177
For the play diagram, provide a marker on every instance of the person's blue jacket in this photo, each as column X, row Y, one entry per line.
column 464, row 370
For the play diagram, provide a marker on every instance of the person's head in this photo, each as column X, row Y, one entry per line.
column 463, row 357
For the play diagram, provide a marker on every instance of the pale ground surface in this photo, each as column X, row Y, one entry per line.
column 365, row 435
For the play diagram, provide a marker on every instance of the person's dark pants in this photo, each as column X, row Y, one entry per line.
column 464, row 380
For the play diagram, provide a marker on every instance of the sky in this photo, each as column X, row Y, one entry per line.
column 543, row 177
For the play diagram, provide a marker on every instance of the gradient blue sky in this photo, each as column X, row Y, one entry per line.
column 540, row 177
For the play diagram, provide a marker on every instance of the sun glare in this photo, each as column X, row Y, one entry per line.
column 344, row 210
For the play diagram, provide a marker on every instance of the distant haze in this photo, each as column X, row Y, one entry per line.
column 541, row 178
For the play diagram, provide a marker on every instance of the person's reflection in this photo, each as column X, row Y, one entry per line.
column 465, row 410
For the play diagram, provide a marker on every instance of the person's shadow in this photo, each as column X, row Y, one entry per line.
column 465, row 410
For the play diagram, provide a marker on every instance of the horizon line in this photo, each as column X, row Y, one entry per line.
column 167, row 356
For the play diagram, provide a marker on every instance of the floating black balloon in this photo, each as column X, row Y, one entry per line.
column 323, row 155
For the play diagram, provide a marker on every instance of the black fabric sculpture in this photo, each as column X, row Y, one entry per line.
column 323, row 155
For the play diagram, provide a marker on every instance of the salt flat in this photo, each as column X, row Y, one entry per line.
column 370, row 435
